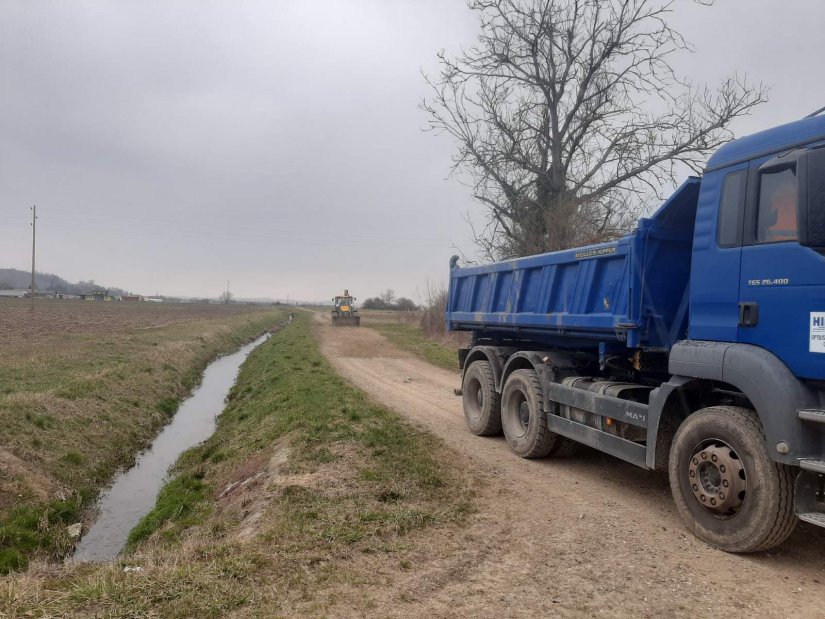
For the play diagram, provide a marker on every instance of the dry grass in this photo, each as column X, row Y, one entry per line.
column 84, row 387
column 407, row 331
column 307, row 486
column 54, row 318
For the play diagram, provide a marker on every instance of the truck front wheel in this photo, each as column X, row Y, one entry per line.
column 523, row 418
column 726, row 488
column 481, row 401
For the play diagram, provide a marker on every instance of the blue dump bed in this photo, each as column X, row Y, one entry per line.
column 631, row 292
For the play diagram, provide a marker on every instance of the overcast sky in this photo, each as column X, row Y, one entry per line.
column 171, row 147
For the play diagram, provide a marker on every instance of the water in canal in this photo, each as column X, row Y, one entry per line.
column 134, row 492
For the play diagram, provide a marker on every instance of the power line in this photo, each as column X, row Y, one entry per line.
column 264, row 236
column 76, row 216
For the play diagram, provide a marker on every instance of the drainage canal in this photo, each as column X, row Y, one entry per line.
column 134, row 492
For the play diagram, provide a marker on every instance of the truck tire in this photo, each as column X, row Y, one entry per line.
column 523, row 418
column 726, row 488
column 482, row 403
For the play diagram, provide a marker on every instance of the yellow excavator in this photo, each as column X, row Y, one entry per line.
column 344, row 313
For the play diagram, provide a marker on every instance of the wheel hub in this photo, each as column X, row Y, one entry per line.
column 717, row 478
column 524, row 415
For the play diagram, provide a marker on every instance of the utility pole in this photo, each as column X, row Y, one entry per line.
column 34, row 231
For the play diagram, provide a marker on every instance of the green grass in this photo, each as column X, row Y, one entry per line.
column 338, row 477
column 29, row 528
column 179, row 500
column 412, row 339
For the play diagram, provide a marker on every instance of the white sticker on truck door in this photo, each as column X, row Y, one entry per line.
column 817, row 332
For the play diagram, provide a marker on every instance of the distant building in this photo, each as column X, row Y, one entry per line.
column 26, row 294
column 97, row 295
column 154, row 299
column 131, row 297
column 16, row 294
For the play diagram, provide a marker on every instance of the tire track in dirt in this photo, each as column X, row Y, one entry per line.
column 587, row 535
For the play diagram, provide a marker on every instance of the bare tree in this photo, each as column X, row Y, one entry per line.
column 403, row 304
column 226, row 297
column 388, row 296
column 568, row 117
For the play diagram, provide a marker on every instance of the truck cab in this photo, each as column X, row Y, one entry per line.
column 758, row 265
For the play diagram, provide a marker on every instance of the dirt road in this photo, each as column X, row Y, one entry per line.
column 588, row 535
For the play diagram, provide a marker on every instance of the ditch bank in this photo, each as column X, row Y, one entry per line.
column 134, row 492
column 79, row 407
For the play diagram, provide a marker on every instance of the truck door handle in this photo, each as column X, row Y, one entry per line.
column 748, row 314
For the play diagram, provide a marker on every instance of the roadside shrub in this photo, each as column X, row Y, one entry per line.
column 434, row 306
column 402, row 304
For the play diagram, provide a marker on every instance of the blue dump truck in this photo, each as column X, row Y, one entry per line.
column 693, row 345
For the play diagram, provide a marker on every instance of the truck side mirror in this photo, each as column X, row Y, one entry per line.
column 811, row 213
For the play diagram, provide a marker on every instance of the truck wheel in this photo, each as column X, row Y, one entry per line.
column 727, row 489
column 522, row 416
column 482, row 407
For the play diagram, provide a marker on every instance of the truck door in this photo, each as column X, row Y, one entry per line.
column 717, row 253
column 782, row 284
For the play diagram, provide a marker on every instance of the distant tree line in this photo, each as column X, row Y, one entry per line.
column 388, row 301
column 15, row 279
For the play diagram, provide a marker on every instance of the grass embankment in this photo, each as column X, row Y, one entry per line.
column 411, row 338
column 80, row 401
column 269, row 517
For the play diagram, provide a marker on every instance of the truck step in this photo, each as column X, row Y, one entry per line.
column 811, row 414
column 817, row 466
column 817, row 518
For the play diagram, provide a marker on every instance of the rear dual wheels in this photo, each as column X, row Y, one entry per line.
column 481, row 400
column 524, row 420
column 726, row 488
column 522, row 416
column 518, row 411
